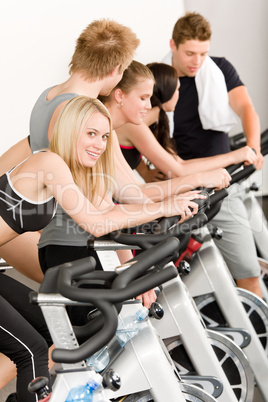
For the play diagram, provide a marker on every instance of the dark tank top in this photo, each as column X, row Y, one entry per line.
column 20, row 213
column 132, row 156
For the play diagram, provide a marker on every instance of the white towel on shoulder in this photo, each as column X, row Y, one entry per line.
column 214, row 109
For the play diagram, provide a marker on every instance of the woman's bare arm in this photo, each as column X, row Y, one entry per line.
column 142, row 138
column 131, row 190
column 59, row 181
column 14, row 155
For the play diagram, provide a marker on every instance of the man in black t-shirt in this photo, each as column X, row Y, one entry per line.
column 212, row 98
column 187, row 124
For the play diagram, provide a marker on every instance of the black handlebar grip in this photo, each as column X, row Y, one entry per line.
column 264, row 138
column 152, row 257
column 239, row 140
column 264, row 149
column 243, row 174
column 188, row 226
column 232, row 168
column 135, row 239
column 218, row 196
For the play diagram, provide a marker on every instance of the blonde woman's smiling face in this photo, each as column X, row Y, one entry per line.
column 93, row 139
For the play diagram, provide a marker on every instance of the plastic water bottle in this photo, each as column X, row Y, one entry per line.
column 127, row 329
column 80, row 393
column 84, row 393
column 99, row 360
column 131, row 325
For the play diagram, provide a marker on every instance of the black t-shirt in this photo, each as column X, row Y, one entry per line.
column 192, row 141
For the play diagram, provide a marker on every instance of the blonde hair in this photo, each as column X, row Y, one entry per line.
column 68, row 128
column 191, row 26
column 102, row 46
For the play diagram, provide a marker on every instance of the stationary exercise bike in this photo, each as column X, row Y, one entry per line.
column 182, row 321
column 256, row 216
column 222, row 304
column 75, row 281
column 241, row 336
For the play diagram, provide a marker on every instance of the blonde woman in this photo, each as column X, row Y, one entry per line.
column 76, row 172
column 103, row 50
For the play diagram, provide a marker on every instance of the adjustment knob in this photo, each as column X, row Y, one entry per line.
column 111, row 380
column 254, row 187
column 39, row 386
column 156, row 311
column 216, row 233
column 184, row 267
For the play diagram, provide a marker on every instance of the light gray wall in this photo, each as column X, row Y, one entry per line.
column 38, row 40
column 240, row 33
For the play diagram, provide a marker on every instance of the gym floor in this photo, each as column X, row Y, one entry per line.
column 11, row 387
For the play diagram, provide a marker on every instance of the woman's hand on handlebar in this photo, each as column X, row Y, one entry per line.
column 259, row 160
column 218, row 179
column 245, row 154
column 248, row 155
column 182, row 205
column 147, row 298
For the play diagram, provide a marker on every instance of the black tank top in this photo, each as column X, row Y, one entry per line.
column 132, row 156
column 20, row 213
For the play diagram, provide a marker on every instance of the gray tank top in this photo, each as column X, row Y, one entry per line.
column 61, row 230
column 40, row 118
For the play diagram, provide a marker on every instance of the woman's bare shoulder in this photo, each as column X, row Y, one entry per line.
column 46, row 159
column 129, row 133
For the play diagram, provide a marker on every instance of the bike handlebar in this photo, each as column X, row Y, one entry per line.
column 167, row 227
column 96, row 341
column 218, row 196
column 128, row 284
column 166, row 223
column 145, row 262
column 166, row 249
column 146, row 241
column 243, row 174
column 239, row 140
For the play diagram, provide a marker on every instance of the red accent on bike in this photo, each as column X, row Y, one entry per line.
column 46, row 399
column 192, row 247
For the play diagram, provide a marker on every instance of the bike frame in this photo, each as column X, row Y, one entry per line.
column 209, row 274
